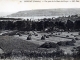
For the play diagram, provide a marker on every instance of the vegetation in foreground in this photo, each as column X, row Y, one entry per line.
column 14, row 46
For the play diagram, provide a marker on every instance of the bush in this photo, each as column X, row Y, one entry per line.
column 47, row 36
column 36, row 34
column 67, row 36
column 49, row 45
column 79, row 33
column 51, row 32
column 18, row 34
column 73, row 40
column 70, row 43
column 62, row 43
column 29, row 34
column 78, row 51
column 12, row 33
column 29, row 38
column 58, row 33
column 42, row 38
column 22, row 32
column 66, row 43
column 71, row 34
column 44, row 35
column 76, row 38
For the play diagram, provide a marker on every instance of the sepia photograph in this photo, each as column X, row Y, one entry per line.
column 40, row 30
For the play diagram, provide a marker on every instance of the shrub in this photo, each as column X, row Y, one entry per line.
column 76, row 38
column 12, row 33
column 49, row 45
column 67, row 36
column 73, row 40
column 44, row 35
column 70, row 43
column 51, row 32
column 62, row 43
column 29, row 38
column 66, row 43
column 58, row 33
column 4, row 34
column 47, row 36
column 18, row 34
column 30, row 34
column 36, row 34
column 71, row 34
column 22, row 32
column 42, row 38
column 78, row 51
column 79, row 33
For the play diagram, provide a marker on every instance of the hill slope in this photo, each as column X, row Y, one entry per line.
column 46, row 12
column 8, row 44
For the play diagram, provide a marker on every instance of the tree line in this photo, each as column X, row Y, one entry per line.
column 42, row 25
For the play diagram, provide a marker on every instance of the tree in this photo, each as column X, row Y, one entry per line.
column 69, row 25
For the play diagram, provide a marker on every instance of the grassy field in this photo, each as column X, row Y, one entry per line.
column 58, row 37
column 9, row 43
column 20, row 43
column 42, row 58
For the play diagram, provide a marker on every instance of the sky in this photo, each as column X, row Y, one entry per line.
column 12, row 6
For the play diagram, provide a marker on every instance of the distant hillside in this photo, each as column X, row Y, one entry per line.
column 2, row 14
column 46, row 12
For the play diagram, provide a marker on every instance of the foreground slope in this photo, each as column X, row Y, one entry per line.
column 9, row 43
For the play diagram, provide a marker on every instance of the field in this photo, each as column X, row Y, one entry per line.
column 54, row 38
column 16, row 43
